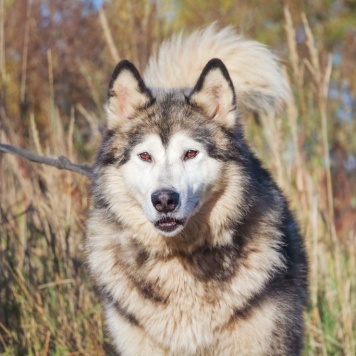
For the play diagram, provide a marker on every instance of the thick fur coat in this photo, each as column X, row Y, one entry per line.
column 190, row 242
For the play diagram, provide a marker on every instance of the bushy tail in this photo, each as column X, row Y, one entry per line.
column 258, row 80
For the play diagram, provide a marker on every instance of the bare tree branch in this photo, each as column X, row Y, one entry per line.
column 61, row 162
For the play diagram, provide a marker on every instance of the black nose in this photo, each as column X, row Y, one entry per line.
column 165, row 201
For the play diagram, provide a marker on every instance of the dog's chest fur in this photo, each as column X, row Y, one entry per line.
column 185, row 301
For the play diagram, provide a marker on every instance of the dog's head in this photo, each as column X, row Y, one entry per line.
column 165, row 151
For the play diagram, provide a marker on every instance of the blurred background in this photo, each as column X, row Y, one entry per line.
column 56, row 59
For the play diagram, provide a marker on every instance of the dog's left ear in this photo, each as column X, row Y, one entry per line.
column 215, row 94
column 127, row 94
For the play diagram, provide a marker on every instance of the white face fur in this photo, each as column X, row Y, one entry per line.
column 170, row 169
column 145, row 188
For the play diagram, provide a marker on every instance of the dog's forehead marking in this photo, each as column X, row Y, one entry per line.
column 172, row 107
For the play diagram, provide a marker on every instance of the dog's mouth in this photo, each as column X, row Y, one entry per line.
column 168, row 224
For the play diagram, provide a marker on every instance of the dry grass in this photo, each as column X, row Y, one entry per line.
column 47, row 303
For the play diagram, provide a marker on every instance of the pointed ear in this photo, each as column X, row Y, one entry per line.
column 215, row 94
column 127, row 93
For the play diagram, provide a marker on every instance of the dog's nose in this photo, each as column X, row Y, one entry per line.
column 165, row 201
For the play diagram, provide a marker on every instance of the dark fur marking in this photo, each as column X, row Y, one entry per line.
column 116, row 304
column 206, row 134
column 147, row 291
column 144, row 287
column 251, row 306
column 111, row 93
column 109, row 154
column 109, row 158
column 109, row 134
column 100, row 202
column 268, row 292
column 186, row 98
column 204, row 137
column 141, row 258
column 124, row 313
column 167, row 119
column 164, row 135
column 216, row 263
column 135, row 139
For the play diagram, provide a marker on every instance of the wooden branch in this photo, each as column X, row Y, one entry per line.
column 61, row 162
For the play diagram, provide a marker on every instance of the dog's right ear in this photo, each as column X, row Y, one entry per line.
column 127, row 93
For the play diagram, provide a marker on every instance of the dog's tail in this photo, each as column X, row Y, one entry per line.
column 258, row 80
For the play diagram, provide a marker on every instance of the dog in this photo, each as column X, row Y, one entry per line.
column 190, row 242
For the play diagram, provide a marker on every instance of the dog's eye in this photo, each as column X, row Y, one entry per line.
column 190, row 154
column 145, row 156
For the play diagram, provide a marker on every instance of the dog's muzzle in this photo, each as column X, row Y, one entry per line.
column 166, row 201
